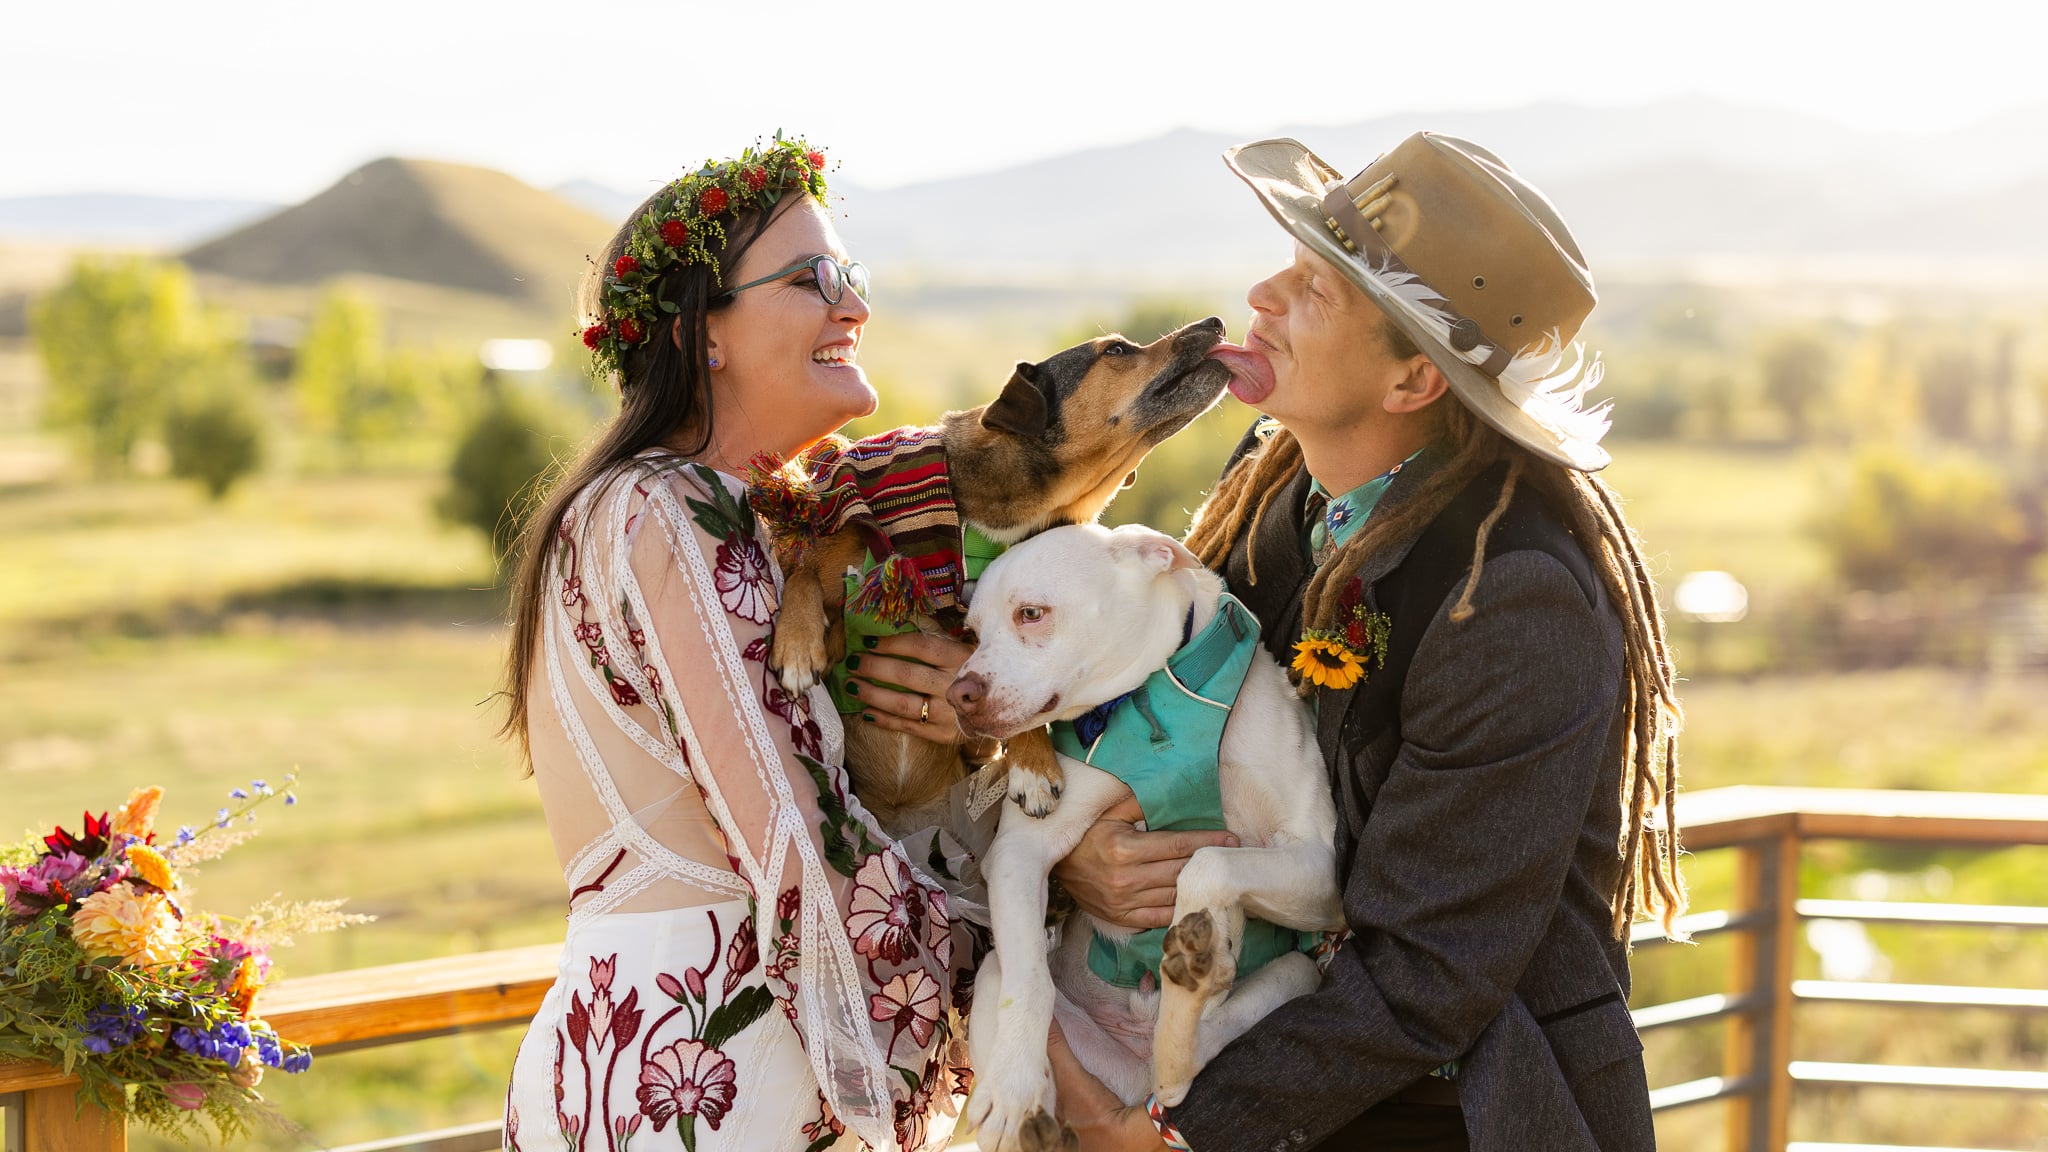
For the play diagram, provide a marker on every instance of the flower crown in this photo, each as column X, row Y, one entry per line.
column 680, row 226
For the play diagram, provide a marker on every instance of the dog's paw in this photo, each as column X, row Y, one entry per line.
column 1042, row 1133
column 1195, row 955
column 798, row 661
column 1012, row 1108
column 1034, row 792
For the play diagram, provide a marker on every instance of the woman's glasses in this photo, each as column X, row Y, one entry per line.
column 831, row 278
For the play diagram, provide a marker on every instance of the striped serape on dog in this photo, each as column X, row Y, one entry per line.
column 893, row 489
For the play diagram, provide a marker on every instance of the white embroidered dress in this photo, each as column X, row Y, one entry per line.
column 717, row 869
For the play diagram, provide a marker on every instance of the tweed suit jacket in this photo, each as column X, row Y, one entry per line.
column 1478, row 787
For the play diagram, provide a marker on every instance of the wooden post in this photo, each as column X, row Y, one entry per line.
column 1758, row 1050
column 53, row 1122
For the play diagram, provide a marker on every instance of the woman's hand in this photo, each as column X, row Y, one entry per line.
column 926, row 665
column 1126, row 877
column 1103, row 1122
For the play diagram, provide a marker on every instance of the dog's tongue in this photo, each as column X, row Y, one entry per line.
column 1251, row 376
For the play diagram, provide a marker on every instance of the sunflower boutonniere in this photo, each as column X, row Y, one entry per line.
column 1339, row 657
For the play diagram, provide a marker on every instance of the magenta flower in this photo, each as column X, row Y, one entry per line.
column 53, row 880
column 687, row 1079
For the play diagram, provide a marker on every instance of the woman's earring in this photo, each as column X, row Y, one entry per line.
column 714, row 362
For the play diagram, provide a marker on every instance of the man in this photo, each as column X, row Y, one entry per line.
column 1418, row 529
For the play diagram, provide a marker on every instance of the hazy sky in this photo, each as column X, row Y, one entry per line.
column 271, row 99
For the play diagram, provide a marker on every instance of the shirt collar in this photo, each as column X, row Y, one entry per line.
column 1344, row 515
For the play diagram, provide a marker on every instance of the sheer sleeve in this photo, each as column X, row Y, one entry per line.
column 856, row 938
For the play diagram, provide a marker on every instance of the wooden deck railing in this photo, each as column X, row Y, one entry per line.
column 1766, row 827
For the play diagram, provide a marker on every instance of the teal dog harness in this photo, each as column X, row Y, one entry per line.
column 1164, row 739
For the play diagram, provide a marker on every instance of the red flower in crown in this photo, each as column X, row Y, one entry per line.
column 675, row 233
column 625, row 267
column 629, row 330
column 817, row 159
column 712, row 201
column 593, row 336
column 755, row 177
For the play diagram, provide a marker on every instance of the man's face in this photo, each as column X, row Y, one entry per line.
column 1316, row 353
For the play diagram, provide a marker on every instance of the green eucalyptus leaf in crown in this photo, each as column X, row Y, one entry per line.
column 683, row 224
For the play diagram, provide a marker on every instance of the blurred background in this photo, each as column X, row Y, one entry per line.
column 287, row 334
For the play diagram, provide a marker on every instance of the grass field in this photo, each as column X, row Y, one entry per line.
column 332, row 624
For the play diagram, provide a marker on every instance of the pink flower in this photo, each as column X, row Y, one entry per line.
column 910, row 1001
column 687, row 1079
column 741, row 955
column 572, row 591
column 744, row 586
column 622, row 692
column 601, row 973
column 757, row 648
column 52, row 880
column 787, row 903
column 186, row 1096
column 886, row 915
column 591, row 634
column 938, row 932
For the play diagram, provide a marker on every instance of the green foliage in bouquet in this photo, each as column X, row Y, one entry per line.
column 106, row 974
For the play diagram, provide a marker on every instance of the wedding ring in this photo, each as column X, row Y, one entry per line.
column 924, row 712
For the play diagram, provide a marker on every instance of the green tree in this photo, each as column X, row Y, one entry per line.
column 1797, row 366
column 344, row 387
column 499, row 464
column 1912, row 520
column 215, row 432
column 118, row 338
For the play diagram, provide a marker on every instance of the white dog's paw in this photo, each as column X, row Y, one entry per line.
column 797, row 664
column 1012, row 1108
column 1196, row 955
column 1170, row 1095
column 1034, row 792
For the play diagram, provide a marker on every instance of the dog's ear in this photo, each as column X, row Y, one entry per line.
column 1021, row 407
column 1152, row 548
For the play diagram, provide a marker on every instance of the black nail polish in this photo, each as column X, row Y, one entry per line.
column 868, row 641
column 852, row 663
column 868, row 716
column 853, row 687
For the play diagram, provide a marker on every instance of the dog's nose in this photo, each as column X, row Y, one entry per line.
column 967, row 693
column 1215, row 322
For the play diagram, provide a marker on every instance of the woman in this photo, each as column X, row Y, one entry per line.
column 718, row 870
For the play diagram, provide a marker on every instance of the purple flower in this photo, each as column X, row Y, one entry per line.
column 185, row 835
column 222, row 818
column 52, row 881
column 290, row 799
column 106, row 1028
column 237, row 794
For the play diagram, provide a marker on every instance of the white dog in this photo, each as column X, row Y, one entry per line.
column 1076, row 618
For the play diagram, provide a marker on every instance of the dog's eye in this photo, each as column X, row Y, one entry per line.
column 1117, row 348
column 1030, row 614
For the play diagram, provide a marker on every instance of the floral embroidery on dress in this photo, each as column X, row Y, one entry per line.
column 656, row 1052
column 688, row 1078
column 744, row 586
column 886, row 916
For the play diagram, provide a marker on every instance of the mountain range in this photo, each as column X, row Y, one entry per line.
column 1646, row 187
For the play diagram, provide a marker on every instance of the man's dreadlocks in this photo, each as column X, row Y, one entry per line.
column 1649, row 882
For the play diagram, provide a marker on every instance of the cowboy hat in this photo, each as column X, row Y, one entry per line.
column 1470, row 261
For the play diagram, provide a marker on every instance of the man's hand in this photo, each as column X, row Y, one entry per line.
column 1103, row 1122
column 1122, row 876
column 926, row 665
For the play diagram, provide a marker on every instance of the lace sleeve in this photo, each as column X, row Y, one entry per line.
column 856, row 939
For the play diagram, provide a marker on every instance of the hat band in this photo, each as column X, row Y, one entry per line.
column 1354, row 231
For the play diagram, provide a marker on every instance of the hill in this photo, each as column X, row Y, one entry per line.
column 424, row 221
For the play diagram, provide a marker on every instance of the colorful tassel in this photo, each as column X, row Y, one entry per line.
column 895, row 592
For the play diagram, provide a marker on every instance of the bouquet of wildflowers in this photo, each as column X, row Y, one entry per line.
column 106, row 972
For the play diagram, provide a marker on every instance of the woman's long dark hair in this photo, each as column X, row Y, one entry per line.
column 664, row 393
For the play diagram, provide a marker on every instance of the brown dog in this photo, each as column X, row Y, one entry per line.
column 1065, row 435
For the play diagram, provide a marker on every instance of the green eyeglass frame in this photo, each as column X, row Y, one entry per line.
column 831, row 286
